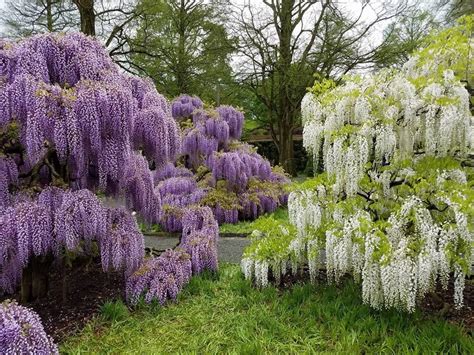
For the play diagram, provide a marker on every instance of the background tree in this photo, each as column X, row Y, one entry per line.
column 456, row 9
column 282, row 43
column 111, row 21
column 403, row 37
column 25, row 17
column 87, row 15
column 184, row 47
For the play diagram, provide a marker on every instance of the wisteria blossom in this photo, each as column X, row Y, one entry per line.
column 21, row 331
column 163, row 277
column 393, row 204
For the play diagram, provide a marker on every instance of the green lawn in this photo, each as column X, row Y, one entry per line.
column 247, row 227
column 225, row 314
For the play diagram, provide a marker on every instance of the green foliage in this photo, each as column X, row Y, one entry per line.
column 9, row 137
column 229, row 315
column 221, row 196
column 270, row 240
column 185, row 48
column 147, row 228
column 321, row 85
column 404, row 36
column 452, row 48
column 247, row 227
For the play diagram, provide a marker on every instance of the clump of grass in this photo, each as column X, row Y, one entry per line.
column 114, row 311
column 224, row 313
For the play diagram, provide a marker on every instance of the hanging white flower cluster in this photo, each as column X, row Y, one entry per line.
column 393, row 207
column 372, row 119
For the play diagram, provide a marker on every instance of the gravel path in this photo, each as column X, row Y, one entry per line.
column 230, row 249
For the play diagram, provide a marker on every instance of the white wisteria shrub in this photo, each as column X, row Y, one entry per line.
column 393, row 204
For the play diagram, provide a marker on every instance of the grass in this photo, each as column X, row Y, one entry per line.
column 247, row 227
column 242, row 227
column 150, row 228
column 225, row 314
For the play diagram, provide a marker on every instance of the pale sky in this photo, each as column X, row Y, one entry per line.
column 351, row 5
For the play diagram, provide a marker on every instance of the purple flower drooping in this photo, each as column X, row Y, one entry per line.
column 211, row 144
column 68, row 96
column 177, row 194
column 8, row 176
column 10, row 263
column 21, row 331
column 122, row 249
column 81, row 217
column 169, row 170
column 234, row 119
column 162, row 278
column 199, row 238
column 238, row 167
column 137, row 184
column 184, row 105
column 28, row 228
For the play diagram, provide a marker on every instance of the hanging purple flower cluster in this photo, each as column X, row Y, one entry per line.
column 198, row 146
column 155, row 133
column 10, row 264
column 66, row 220
column 184, row 105
column 169, row 170
column 80, row 219
column 199, row 238
column 26, row 230
column 237, row 168
column 234, row 119
column 69, row 98
column 123, row 248
column 8, row 175
column 21, row 331
column 162, row 278
column 138, row 187
column 210, row 142
column 177, row 194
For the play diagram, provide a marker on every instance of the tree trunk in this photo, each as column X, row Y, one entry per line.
column 49, row 15
column 34, row 283
column 285, row 110
column 87, row 14
column 182, row 78
column 286, row 151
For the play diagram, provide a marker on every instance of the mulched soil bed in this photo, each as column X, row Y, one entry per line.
column 88, row 288
column 440, row 303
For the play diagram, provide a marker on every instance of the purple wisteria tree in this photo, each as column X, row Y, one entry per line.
column 72, row 125
column 215, row 169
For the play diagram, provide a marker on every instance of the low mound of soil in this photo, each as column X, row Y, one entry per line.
column 88, row 287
